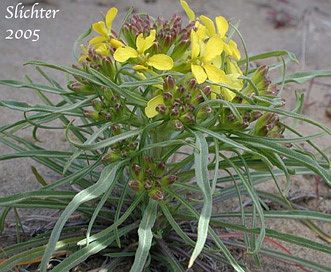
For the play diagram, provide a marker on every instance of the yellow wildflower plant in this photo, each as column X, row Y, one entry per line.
column 144, row 60
column 165, row 110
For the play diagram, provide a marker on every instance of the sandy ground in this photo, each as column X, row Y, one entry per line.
column 300, row 26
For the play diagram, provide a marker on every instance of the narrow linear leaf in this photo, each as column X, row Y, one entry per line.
column 303, row 77
column 145, row 235
column 270, row 54
column 106, row 179
column 201, row 170
column 82, row 254
column 40, row 87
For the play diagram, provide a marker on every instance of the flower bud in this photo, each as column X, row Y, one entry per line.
column 111, row 157
column 117, row 129
column 148, row 162
column 94, row 115
column 174, row 112
column 169, row 84
column 162, row 109
column 156, row 194
column 180, row 49
column 207, row 90
column 133, row 145
column 160, row 168
column 178, row 125
column 255, row 115
column 81, row 88
column 97, row 104
column 188, row 118
column 167, row 97
column 138, row 171
column 204, row 112
column 148, row 184
column 149, row 172
column 259, row 79
column 168, row 180
column 188, row 96
column 135, row 185
column 181, row 90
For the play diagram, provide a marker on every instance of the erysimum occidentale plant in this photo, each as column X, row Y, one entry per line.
column 165, row 121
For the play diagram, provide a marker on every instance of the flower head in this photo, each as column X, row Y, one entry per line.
column 202, row 57
column 143, row 58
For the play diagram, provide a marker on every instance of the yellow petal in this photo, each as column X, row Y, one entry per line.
column 214, row 48
column 98, row 39
column 209, row 25
column 234, row 81
column 110, row 16
column 102, row 48
column 140, row 67
column 232, row 67
column 215, row 90
column 161, row 62
column 218, row 61
column 189, row 12
column 100, row 27
column 222, row 25
column 150, row 109
column 228, row 94
column 214, row 74
column 201, row 31
column 234, row 50
column 124, row 53
column 116, row 43
column 199, row 73
column 82, row 58
column 195, row 47
column 144, row 43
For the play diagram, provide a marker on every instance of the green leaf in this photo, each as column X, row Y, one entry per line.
column 35, row 253
column 34, row 86
column 8, row 201
column 106, row 179
column 301, row 159
column 145, row 235
column 201, row 171
column 270, row 54
column 82, row 254
column 111, row 140
column 303, row 77
column 97, row 78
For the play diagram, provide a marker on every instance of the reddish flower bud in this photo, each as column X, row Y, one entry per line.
column 169, row 84
column 135, row 185
column 156, row 194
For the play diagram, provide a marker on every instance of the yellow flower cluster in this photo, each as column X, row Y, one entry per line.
column 207, row 45
column 205, row 52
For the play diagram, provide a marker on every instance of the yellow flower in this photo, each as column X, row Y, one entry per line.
column 150, row 109
column 233, row 81
column 158, row 61
column 222, row 25
column 104, row 29
column 102, row 49
column 202, row 57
